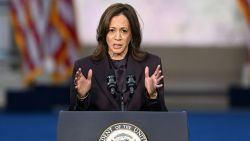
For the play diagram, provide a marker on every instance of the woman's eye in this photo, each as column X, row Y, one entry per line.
column 111, row 30
column 124, row 30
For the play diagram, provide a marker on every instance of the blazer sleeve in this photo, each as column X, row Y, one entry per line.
column 75, row 103
column 159, row 103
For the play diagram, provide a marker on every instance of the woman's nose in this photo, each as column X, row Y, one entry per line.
column 118, row 35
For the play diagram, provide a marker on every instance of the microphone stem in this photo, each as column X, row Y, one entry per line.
column 122, row 103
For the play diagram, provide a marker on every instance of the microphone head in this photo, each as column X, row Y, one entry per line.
column 112, row 85
column 111, row 78
column 131, row 83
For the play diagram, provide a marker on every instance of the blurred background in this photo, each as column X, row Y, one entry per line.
column 204, row 46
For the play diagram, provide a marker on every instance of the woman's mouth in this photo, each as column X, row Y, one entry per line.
column 117, row 46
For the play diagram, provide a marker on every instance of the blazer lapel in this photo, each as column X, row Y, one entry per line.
column 135, row 68
column 101, row 71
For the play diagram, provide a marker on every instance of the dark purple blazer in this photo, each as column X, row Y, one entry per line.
column 100, row 99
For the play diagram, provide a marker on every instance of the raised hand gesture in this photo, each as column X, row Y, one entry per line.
column 152, row 82
column 83, row 84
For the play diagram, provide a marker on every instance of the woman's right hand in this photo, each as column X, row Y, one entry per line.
column 83, row 84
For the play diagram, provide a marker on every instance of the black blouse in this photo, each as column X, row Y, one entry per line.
column 120, row 69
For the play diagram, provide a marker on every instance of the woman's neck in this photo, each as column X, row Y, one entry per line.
column 115, row 56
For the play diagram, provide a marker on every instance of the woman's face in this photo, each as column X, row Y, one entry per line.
column 118, row 37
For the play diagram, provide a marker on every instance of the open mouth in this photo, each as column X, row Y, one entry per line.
column 117, row 46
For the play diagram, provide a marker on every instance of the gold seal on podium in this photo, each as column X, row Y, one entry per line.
column 123, row 132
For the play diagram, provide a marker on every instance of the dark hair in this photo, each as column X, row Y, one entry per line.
column 102, row 30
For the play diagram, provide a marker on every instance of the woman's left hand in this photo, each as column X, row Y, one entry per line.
column 152, row 82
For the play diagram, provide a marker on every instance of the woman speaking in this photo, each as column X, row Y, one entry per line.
column 118, row 75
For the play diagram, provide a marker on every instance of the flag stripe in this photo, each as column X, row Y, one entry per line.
column 45, row 29
column 244, row 7
column 33, row 28
column 20, row 37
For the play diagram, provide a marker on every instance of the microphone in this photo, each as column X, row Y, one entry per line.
column 112, row 85
column 131, row 84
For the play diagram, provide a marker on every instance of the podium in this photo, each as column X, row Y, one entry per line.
column 122, row 126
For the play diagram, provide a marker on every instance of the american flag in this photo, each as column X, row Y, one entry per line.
column 245, row 9
column 45, row 29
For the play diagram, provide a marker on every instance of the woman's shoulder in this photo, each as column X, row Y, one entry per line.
column 88, row 60
column 152, row 57
column 151, row 60
column 85, row 61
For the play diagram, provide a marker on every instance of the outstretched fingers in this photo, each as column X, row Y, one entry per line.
column 158, row 77
column 158, row 81
column 78, row 76
column 90, row 74
column 146, row 71
column 157, row 71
